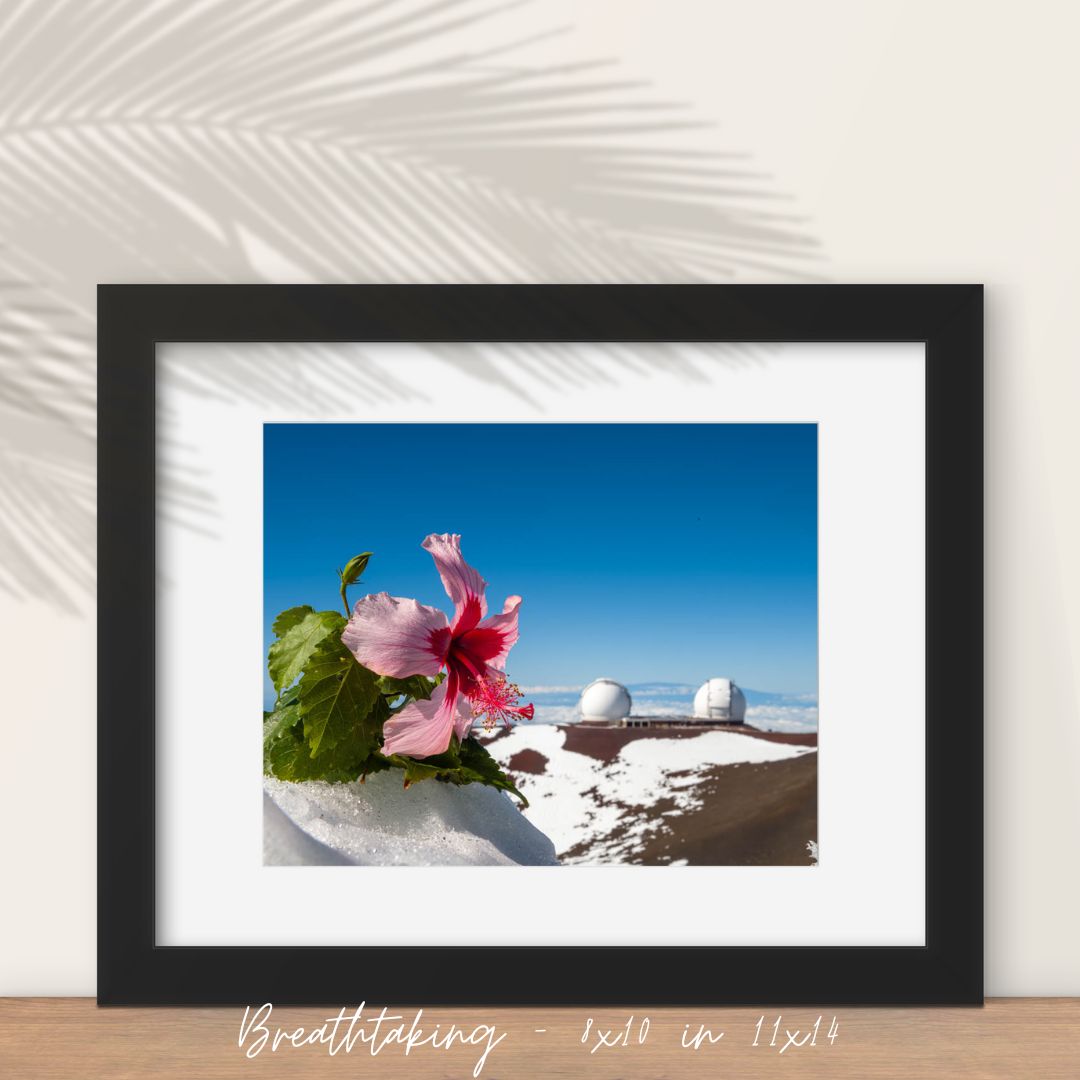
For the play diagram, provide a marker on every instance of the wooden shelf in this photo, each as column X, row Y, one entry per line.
column 1009, row 1038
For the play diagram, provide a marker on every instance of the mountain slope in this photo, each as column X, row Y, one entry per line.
column 667, row 796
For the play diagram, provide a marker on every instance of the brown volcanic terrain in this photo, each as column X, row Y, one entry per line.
column 753, row 813
column 603, row 743
column 750, row 815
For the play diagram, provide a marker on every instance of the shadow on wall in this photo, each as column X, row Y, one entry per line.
column 314, row 141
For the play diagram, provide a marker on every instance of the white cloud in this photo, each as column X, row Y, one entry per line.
column 783, row 717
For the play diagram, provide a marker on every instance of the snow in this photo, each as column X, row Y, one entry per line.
column 379, row 823
column 285, row 844
column 580, row 800
column 606, row 807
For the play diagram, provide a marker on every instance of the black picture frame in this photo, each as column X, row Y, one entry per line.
column 133, row 319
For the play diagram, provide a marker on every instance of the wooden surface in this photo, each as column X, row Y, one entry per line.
column 1023, row 1037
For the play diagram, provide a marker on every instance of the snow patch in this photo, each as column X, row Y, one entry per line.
column 578, row 800
column 379, row 823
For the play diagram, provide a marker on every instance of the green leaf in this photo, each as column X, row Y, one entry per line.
column 288, row 759
column 287, row 754
column 437, row 766
column 480, row 767
column 328, row 726
column 289, row 618
column 462, row 763
column 418, row 687
column 278, row 724
column 336, row 700
column 373, row 764
column 299, row 630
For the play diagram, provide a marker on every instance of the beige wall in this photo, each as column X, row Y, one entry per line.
column 893, row 141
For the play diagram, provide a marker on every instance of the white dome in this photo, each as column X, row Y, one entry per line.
column 605, row 699
column 720, row 700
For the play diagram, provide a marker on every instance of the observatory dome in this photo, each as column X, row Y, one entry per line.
column 605, row 699
column 721, row 701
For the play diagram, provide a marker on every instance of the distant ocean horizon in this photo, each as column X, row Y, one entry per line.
column 764, row 709
column 559, row 704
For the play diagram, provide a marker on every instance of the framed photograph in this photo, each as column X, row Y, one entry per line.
column 540, row 645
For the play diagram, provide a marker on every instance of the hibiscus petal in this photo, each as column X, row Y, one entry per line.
column 463, row 718
column 422, row 729
column 462, row 583
column 395, row 636
column 491, row 641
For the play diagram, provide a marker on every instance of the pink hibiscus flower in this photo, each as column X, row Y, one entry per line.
column 398, row 637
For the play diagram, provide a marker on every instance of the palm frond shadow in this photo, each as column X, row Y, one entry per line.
column 308, row 140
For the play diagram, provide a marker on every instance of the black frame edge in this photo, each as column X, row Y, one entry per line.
column 132, row 319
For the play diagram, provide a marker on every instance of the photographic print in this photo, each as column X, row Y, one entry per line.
column 540, row 644
column 537, row 587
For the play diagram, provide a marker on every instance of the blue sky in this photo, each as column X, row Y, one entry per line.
column 643, row 552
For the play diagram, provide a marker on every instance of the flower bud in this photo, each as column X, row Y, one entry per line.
column 354, row 568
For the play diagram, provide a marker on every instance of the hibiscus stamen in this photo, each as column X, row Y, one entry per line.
column 495, row 699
